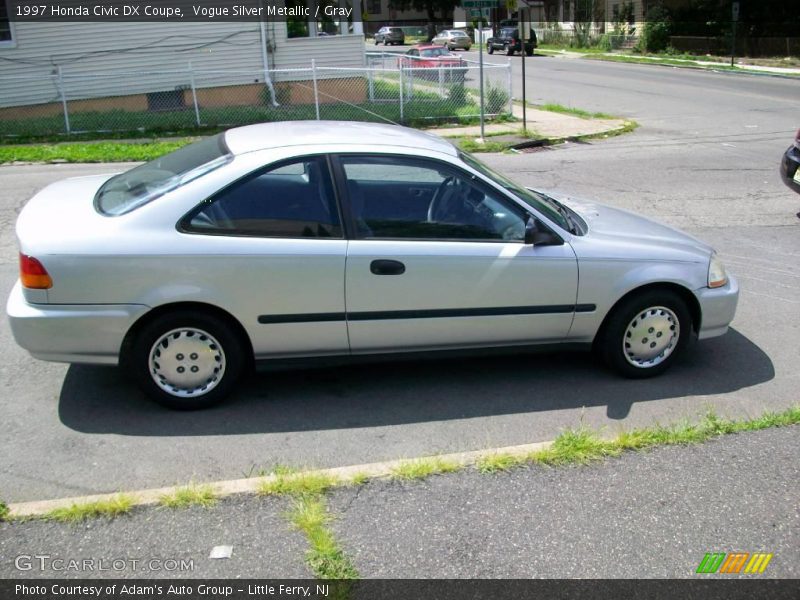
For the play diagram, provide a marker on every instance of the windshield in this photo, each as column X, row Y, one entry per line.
column 512, row 33
column 458, row 34
column 430, row 52
column 537, row 201
column 131, row 189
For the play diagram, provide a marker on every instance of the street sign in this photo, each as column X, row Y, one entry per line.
column 479, row 3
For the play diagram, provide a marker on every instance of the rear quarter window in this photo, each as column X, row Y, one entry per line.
column 130, row 190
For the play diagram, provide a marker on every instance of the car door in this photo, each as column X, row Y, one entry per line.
column 277, row 257
column 438, row 260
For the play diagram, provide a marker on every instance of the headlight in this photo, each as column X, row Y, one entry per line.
column 716, row 273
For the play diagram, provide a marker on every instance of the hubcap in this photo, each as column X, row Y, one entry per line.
column 651, row 336
column 187, row 362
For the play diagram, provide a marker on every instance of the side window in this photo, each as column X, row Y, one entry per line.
column 294, row 199
column 405, row 198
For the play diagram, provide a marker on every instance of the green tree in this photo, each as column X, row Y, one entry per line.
column 445, row 7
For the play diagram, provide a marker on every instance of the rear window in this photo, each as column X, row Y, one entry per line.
column 130, row 190
column 433, row 52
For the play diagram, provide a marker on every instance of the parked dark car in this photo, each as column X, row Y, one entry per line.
column 508, row 41
column 390, row 35
column 790, row 165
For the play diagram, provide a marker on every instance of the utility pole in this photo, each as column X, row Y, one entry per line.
column 734, row 23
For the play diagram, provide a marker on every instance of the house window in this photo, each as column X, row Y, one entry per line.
column 374, row 7
column 6, row 31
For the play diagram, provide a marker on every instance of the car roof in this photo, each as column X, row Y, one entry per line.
column 427, row 46
column 265, row 136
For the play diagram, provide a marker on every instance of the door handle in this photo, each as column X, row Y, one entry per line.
column 387, row 267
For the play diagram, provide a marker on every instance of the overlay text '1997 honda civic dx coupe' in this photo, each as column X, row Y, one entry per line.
column 308, row 239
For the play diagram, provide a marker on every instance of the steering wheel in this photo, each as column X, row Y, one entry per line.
column 433, row 207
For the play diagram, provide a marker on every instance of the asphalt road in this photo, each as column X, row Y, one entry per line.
column 705, row 159
column 647, row 515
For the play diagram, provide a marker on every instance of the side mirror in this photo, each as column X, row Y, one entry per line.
column 537, row 234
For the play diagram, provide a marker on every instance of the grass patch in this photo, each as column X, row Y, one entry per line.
column 297, row 484
column 424, row 467
column 470, row 144
column 359, row 479
column 575, row 446
column 89, row 152
column 4, row 512
column 118, row 505
column 575, row 112
column 325, row 557
column 501, row 461
column 191, row 495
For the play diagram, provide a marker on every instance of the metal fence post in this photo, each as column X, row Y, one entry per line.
column 316, row 91
column 441, row 79
column 63, row 101
column 508, row 83
column 371, row 81
column 402, row 92
column 194, row 95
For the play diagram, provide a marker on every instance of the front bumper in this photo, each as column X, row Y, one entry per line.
column 790, row 168
column 718, row 307
column 82, row 333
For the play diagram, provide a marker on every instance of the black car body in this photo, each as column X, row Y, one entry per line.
column 508, row 41
column 790, row 165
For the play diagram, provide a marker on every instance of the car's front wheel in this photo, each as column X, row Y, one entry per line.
column 187, row 360
column 646, row 333
column 490, row 49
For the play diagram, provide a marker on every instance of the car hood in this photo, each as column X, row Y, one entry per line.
column 617, row 233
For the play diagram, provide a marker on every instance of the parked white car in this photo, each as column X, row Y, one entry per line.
column 301, row 239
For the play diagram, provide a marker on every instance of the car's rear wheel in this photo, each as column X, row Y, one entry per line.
column 510, row 50
column 646, row 333
column 187, row 360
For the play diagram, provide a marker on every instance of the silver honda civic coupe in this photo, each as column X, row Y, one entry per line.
column 313, row 239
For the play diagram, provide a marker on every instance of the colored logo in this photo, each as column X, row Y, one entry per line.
column 734, row 562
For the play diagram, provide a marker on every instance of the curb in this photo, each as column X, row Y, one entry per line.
column 250, row 485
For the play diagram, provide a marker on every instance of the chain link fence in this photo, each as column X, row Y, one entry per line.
column 392, row 88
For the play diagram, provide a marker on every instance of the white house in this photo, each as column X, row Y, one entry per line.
column 142, row 65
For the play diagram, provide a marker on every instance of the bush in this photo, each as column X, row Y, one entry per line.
column 496, row 100
column 656, row 31
column 458, row 94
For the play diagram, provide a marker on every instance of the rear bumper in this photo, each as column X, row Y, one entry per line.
column 790, row 168
column 718, row 307
column 83, row 333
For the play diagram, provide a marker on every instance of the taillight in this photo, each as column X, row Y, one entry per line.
column 32, row 273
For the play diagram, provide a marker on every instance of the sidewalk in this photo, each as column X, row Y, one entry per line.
column 545, row 124
column 710, row 64
column 644, row 515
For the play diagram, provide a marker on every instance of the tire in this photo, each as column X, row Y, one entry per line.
column 490, row 49
column 627, row 344
column 528, row 52
column 509, row 51
column 377, row 42
column 201, row 341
